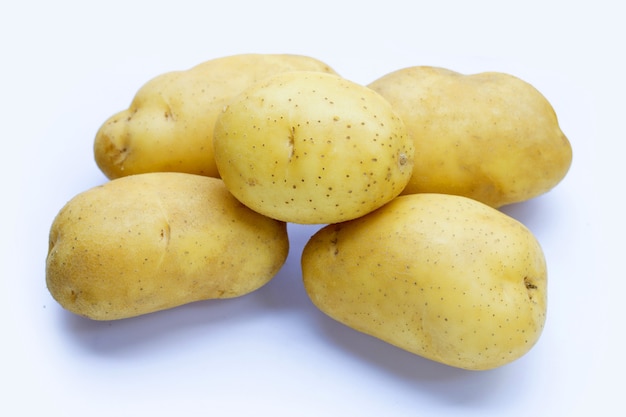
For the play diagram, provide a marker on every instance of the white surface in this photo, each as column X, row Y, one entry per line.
column 69, row 65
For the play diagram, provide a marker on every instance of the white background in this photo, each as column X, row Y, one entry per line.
column 68, row 65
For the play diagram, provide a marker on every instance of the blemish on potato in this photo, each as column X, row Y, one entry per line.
column 402, row 159
column 531, row 287
column 291, row 142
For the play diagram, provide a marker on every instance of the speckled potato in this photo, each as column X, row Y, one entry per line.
column 169, row 123
column 153, row 241
column 443, row 276
column 488, row 136
column 309, row 147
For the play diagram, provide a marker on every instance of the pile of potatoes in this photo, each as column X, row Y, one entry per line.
column 405, row 175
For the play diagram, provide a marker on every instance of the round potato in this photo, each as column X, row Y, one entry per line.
column 169, row 124
column 443, row 276
column 309, row 147
column 488, row 136
column 154, row 241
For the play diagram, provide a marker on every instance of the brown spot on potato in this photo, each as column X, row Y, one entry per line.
column 530, row 286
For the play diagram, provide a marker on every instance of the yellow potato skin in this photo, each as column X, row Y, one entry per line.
column 169, row 123
column 489, row 136
column 443, row 276
column 153, row 241
column 310, row 148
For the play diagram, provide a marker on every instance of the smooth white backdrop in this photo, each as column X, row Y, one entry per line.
column 68, row 65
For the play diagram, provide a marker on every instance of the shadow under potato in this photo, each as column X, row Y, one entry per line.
column 151, row 331
column 405, row 370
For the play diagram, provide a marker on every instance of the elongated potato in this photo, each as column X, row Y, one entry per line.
column 169, row 124
column 443, row 276
column 154, row 241
column 489, row 136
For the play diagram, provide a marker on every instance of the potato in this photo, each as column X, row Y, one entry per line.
column 153, row 241
column 443, row 276
column 169, row 124
column 488, row 136
column 309, row 147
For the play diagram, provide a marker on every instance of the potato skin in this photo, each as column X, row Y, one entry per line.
column 154, row 241
column 443, row 276
column 312, row 148
column 169, row 123
column 489, row 136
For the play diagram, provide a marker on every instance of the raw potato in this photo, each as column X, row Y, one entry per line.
column 443, row 276
column 309, row 147
column 154, row 241
column 488, row 136
column 169, row 124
